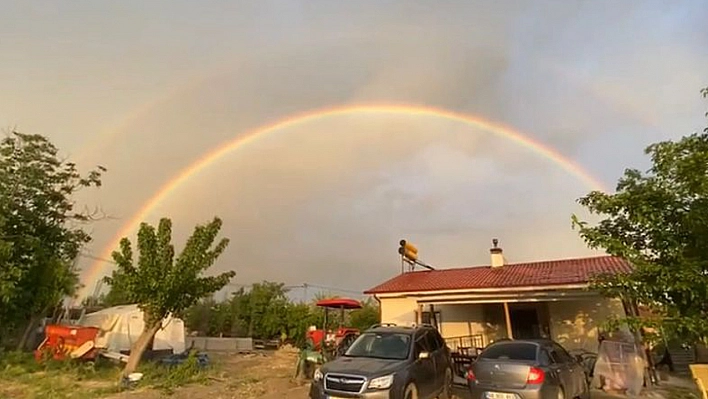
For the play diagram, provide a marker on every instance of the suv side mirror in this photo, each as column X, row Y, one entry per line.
column 424, row 355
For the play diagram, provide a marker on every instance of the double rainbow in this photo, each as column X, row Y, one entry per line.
column 99, row 267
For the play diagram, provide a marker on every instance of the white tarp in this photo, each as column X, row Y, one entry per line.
column 122, row 325
column 620, row 366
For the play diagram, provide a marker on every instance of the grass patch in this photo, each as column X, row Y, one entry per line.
column 23, row 377
column 167, row 378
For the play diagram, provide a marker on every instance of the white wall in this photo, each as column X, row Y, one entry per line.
column 574, row 324
column 457, row 320
column 461, row 320
column 401, row 311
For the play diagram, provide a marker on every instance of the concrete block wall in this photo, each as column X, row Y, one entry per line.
column 214, row 344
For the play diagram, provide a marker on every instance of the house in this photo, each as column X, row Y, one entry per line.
column 477, row 305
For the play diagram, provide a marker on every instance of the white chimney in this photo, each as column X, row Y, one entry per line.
column 497, row 255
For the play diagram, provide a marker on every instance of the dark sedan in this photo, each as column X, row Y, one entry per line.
column 527, row 369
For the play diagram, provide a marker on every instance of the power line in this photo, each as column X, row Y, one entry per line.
column 335, row 289
column 302, row 286
column 89, row 256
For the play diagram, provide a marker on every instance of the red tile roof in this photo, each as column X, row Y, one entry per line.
column 534, row 274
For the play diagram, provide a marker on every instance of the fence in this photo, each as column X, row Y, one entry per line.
column 465, row 343
column 214, row 344
column 464, row 350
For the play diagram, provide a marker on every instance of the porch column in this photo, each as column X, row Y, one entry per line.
column 433, row 319
column 508, row 321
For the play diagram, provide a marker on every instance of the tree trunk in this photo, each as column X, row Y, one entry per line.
column 138, row 349
column 28, row 331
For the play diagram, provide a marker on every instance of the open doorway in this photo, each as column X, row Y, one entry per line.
column 528, row 322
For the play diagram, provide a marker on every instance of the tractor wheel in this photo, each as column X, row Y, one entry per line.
column 309, row 370
column 301, row 367
column 298, row 368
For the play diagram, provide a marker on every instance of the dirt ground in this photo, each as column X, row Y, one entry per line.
column 267, row 375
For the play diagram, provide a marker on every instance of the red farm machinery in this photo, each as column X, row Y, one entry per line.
column 68, row 342
column 324, row 344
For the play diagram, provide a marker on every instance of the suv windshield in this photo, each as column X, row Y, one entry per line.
column 510, row 351
column 381, row 345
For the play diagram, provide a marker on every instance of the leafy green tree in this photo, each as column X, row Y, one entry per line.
column 161, row 284
column 365, row 317
column 237, row 311
column 198, row 318
column 265, row 312
column 93, row 301
column 9, row 273
column 299, row 317
column 658, row 220
column 40, row 237
column 117, row 294
column 263, row 302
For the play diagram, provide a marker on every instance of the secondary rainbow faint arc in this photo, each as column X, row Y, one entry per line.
column 299, row 119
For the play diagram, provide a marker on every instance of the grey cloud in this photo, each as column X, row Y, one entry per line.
column 327, row 201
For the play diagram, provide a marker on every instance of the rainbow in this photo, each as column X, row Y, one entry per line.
column 596, row 90
column 92, row 274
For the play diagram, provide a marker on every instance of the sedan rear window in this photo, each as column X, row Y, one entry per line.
column 510, row 351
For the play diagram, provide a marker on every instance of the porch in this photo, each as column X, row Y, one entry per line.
column 469, row 324
column 473, row 321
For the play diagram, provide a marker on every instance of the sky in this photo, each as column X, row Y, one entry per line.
column 146, row 88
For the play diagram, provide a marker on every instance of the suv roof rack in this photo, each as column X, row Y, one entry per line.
column 413, row 325
column 384, row 325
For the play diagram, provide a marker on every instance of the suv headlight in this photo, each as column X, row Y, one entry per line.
column 318, row 375
column 381, row 382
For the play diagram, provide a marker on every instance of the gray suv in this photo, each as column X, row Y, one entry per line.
column 391, row 362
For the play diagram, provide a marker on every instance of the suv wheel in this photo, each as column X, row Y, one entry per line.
column 411, row 392
column 447, row 385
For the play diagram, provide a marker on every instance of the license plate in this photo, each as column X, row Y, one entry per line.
column 335, row 397
column 499, row 395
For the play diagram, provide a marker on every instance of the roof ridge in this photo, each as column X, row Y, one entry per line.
column 520, row 263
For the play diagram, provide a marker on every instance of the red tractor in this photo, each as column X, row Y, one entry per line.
column 323, row 345
column 340, row 339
